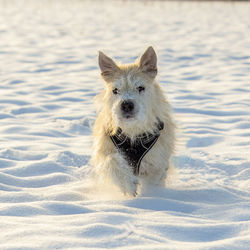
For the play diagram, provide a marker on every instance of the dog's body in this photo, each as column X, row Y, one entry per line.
column 134, row 103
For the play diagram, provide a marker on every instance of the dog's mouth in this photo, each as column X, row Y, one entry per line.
column 128, row 116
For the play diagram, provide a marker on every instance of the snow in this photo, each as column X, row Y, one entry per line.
column 48, row 79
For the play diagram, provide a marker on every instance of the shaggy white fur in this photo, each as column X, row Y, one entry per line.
column 136, row 84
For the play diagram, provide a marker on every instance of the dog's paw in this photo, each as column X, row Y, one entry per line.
column 130, row 187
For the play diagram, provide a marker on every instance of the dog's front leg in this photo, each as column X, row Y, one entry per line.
column 115, row 168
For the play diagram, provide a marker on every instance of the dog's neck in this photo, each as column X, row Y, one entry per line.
column 159, row 126
column 134, row 150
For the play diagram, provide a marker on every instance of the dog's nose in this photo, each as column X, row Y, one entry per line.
column 127, row 106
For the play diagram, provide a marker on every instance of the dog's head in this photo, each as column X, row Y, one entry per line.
column 130, row 97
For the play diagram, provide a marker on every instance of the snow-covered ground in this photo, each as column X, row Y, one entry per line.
column 48, row 78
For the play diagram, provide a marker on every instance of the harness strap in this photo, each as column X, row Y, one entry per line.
column 134, row 151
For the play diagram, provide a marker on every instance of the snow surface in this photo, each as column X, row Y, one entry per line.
column 48, row 78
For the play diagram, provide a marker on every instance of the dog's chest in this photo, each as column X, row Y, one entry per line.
column 134, row 151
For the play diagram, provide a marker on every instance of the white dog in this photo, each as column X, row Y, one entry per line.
column 134, row 134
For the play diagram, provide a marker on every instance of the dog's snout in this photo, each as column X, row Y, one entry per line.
column 127, row 106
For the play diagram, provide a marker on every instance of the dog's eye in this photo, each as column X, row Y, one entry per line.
column 141, row 88
column 115, row 91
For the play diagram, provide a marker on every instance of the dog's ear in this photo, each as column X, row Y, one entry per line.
column 108, row 67
column 148, row 62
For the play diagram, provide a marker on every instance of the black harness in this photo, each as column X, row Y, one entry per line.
column 134, row 151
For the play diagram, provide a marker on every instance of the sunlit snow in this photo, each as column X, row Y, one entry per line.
column 48, row 79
